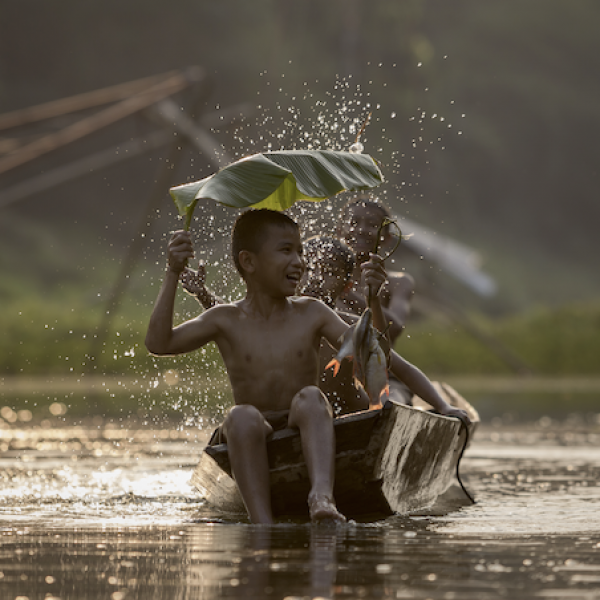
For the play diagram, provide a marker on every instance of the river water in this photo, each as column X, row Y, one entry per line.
column 102, row 508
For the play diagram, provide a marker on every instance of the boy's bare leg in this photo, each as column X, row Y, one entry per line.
column 246, row 431
column 311, row 413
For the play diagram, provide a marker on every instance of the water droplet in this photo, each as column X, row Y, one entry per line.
column 356, row 148
column 383, row 569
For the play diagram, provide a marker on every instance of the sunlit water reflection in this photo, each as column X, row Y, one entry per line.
column 107, row 512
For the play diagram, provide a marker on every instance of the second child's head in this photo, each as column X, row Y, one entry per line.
column 359, row 222
column 329, row 266
column 267, row 243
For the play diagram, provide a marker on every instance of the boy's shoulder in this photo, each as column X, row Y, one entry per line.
column 308, row 308
column 226, row 310
column 308, row 303
column 312, row 310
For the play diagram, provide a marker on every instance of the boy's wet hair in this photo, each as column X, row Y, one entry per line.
column 320, row 247
column 249, row 231
column 368, row 202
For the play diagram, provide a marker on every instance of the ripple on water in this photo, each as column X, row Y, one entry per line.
column 114, row 516
column 534, row 487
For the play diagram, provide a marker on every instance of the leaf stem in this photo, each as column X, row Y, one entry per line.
column 362, row 129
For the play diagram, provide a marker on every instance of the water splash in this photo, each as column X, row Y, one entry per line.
column 402, row 135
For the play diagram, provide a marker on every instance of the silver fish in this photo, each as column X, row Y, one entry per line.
column 360, row 342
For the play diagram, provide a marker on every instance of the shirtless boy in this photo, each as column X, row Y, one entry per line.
column 330, row 265
column 269, row 342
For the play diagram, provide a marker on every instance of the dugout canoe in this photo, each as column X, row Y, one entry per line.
column 396, row 460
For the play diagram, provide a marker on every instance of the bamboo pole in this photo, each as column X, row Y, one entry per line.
column 170, row 114
column 57, row 108
column 84, row 166
column 102, row 119
column 126, row 151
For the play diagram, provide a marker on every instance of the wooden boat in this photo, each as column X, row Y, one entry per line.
column 396, row 460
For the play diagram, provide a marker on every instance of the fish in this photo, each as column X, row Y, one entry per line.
column 360, row 342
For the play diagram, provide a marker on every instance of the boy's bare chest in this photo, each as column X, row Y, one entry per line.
column 272, row 341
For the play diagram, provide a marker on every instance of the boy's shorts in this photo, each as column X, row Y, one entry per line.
column 277, row 419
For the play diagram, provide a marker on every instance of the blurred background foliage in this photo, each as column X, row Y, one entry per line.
column 487, row 127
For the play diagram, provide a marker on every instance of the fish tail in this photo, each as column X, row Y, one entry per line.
column 335, row 364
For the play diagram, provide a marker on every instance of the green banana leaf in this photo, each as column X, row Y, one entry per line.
column 276, row 180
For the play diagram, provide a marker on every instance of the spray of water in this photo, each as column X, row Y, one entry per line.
column 315, row 115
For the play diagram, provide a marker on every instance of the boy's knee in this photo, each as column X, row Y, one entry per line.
column 311, row 399
column 244, row 419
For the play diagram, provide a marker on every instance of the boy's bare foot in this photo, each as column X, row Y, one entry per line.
column 322, row 509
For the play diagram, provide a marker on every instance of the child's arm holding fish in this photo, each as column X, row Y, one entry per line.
column 374, row 276
column 420, row 384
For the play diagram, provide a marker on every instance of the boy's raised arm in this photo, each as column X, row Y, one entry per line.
column 160, row 334
column 374, row 276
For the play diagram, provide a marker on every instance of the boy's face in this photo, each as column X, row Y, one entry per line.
column 279, row 261
column 325, row 278
column 360, row 230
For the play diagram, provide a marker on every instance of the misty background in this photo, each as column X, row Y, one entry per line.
column 486, row 122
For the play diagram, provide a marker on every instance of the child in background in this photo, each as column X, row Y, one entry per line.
column 358, row 226
column 329, row 264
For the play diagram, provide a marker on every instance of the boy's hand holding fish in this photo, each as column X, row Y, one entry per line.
column 367, row 347
column 373, row 276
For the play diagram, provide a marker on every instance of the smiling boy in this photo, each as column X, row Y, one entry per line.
column 269, row 342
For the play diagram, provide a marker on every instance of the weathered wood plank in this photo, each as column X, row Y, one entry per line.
column 419, row 459
column 216, row 486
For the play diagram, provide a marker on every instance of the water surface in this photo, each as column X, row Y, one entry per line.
column 105, row 510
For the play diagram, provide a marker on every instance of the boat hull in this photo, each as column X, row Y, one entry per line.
column 396, row 460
